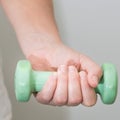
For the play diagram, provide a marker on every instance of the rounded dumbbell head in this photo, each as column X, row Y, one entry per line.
column 107, row 87
column 22, row 80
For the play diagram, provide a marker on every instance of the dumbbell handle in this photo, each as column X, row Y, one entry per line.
column 38, row 80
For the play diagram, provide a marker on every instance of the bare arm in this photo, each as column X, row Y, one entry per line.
column 31, row 18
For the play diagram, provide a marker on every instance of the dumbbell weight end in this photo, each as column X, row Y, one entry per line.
column 107, row 87
column 28, row 81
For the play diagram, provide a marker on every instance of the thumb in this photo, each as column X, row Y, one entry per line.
column 93, row 70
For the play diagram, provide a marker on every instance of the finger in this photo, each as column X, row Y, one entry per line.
column 48, row 90
column 94, row 75
column 88, row 93
column 60, row 96
column 74, row 88
column 93, row 70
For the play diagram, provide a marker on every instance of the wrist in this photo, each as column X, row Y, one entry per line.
column 34, row 41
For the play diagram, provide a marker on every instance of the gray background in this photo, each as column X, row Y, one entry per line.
column 89, row 26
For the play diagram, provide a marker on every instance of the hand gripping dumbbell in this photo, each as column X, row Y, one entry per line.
column 28, row 81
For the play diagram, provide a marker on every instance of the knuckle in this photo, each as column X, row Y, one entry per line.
column 43, row 99
column 60, row 101
column 75, row 101
column 90, row 104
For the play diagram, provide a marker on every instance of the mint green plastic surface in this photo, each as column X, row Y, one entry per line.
column 28, row 81
column 107, row 88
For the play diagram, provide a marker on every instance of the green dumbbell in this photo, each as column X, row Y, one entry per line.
column 28, row 81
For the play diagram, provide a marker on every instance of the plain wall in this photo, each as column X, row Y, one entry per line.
column 91, row 27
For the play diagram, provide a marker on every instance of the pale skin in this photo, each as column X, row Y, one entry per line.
column 76, row 74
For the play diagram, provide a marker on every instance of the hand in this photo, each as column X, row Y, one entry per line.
column 67, row 86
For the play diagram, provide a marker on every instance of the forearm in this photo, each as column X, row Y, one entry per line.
column 31, row 18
